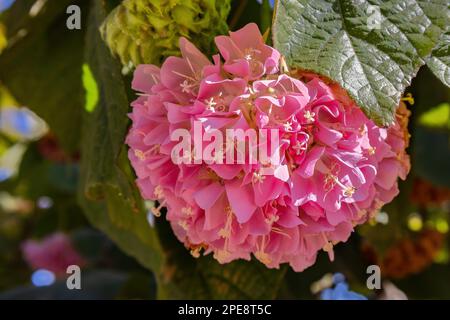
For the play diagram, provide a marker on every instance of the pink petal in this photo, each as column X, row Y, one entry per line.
column 207, row 196
column 145, row 77
column 241, row 200
column 306, row 169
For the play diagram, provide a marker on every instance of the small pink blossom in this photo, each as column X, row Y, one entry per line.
column 246, row 55
column 54, row 253
column 337, row 167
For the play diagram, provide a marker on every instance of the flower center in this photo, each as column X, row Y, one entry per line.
column 309, row 116
column 299, row 147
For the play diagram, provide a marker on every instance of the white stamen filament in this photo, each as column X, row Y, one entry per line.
column 279, row 231
column 184, row 76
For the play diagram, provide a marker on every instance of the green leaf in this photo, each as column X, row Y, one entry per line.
column 184, row 277
column 41, row 66
column 340, row 39
column 108, row 194
column 439, row 61
column 266, row 16
column 207, row 279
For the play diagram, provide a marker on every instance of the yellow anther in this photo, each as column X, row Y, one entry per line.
column 221, row 255
column 159, row 192
column 187, row 211
column 211, row 103
column 224, row 233
column 258, row 177
column 183, row 224
column 272, row 219
column 139, row 154
column 362, row 130
column 299, row 147
column 263, row 257
column 328, row 247
column 408, row 98
column 156, row 211
column 196, row 252
column 186, row 86
column 349, row 191
column 287, row 126
column 309, row 116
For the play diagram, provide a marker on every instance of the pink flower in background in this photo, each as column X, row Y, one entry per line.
column 336, row 168
column 54, row 253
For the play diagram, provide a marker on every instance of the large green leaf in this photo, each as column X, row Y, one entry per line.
column 42, row 64
column 337, row 38
column 439, row 61
column 107, row 191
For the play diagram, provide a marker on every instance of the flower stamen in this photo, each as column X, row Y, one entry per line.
column 309, row 116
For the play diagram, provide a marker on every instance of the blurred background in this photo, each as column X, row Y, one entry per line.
column 44, row 227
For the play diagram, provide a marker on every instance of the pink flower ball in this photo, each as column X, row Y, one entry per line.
column 336, row 167
column 54, row 253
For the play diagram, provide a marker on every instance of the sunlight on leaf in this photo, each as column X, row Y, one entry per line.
column 3, row 40
column 91, row 89
column 437, row 117
column 6, row 100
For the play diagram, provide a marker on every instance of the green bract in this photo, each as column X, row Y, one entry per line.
column 144, row 31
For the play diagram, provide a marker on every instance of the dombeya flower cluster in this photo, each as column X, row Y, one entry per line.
column 336, row 169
